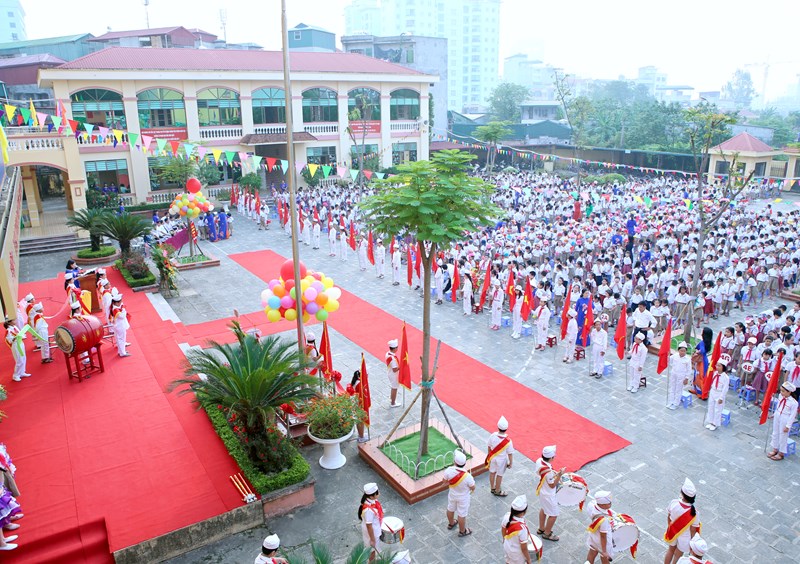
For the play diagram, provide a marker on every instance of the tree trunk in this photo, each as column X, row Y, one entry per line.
column 424, row 415
column 94, row 241
column 689, row 328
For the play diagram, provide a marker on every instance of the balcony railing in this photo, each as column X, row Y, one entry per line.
column 38, row 143
column 221, row 132
column 321, row 128
column 270, row 129
column 404, row 125
column 94, row 140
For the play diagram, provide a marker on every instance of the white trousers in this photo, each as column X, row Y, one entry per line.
column 598, row 360
column 20, row 360
column 634, row 376
column 780, row 440
column 714, row 412
column 497, row 313
column 675, row 390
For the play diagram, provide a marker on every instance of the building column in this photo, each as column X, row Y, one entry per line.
column 75, row 183
column 386, row 130
column 190, row 102
column 423, row 152
column 31, row 187
column 246, row 107
column 343, row 151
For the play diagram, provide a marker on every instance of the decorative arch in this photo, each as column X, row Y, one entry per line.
column 161, row 107
column 218, row 106
column 98, row 106
column 320, row 104
column 269, row 105
column 404, row 104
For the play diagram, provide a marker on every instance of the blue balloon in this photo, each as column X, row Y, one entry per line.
column 274, row 302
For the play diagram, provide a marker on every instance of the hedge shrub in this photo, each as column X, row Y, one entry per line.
column 148, row 280
column 147, row 207
column 263, row 483
column 106, row 251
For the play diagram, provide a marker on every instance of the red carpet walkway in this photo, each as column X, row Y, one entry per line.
column 464, row 383
column 114, row 447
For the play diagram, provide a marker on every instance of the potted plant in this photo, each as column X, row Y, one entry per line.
column 331, row 420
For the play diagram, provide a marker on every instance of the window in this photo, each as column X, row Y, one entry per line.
column 269, row 105
column 13, row 25
column 218, row 106
column 298, row 35
column 161, row 107
column 10, row 14
column 404, row 104
column 721, row 168
column 369, row 150
column 367, row 101
column 409, row 55
column 14, row 36
column 319, row 105
column 403, row 152
column 98, row 107
column 107, row 173
column 760, row 169
column 321, row 155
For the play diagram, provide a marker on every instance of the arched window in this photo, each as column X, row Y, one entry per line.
column 319, row 104
column 367, row 101
column 404, row 104
column 161, row 107
column 218, row 106
column 269, row 105
column 98, row 106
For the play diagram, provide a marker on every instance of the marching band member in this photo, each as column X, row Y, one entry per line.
column 105, row 298
column 370, row 513
column 461, row 484
column 682, row 523
column 393, row 371
column 40, row 325
column 269, row 548
column 14, row 340
column 515, row 533
column 546, row 490
column 499, row 457
column 119, row 318
column 598, row 538
column 697, row 550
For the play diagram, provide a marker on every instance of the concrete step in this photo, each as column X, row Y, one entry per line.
column 52, row 244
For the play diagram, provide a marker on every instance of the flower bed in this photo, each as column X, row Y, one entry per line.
column 103, row 252
column 296, row 472
column 148, row 279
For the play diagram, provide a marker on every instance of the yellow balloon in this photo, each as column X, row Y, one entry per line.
column 327, row 282
column 331, row 305
column 273, row 315
column 304, row 285
column 306, row 317
column 290, row 314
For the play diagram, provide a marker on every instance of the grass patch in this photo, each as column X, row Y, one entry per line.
column 148, row 280
column 194, row 259
column 262, row 483
column 106, row 251
column 680, row 339
column 438, row 446
column 146, row 207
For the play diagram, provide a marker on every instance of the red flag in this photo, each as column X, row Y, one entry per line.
column 341, row 222
column 664, row 351
column 717, row 351
column 370, row 252
column 300, row 217
column 621, row 334
column 772, row 387
column 330, row 221
column 316, row 214
column 527, row 300
column 327, row 357
column 391, row 246
column 404, row 376
column 363, row 391
column 418, row 261
column 487, row 281
column 258, row 201
column 512, row 295
column 409, row 264
column 564, row 313
column 456, row 283
column 352, row 240
column 588, row 321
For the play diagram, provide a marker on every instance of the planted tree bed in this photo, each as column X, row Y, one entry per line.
column 196, row 261
column 403, row 452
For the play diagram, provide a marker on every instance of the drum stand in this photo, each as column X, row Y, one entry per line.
column 82, row 370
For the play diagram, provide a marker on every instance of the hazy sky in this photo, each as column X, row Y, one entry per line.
column 696, row 42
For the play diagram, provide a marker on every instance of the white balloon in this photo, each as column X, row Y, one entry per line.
column 334, row 293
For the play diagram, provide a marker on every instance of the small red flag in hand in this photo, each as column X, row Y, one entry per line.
column 456, row 283
column 621, row 334
column 588, row 322
column 486, row 283
column 706, row 380
column 527, row 300
column 772, row 387
column 404, row 376
column 565, row 313
column 664, row 350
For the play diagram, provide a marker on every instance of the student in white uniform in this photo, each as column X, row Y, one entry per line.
column 637, row 355
column 716, row 395
column 370, row 513
column 546, row 490
column 785, row 415
column 599, row 339
column 269, row 549
column 680, row 370
column 461, row 485
column 598, row 537
column 515, row 533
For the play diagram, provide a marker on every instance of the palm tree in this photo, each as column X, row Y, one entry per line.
column 90, row 219
column 321, row 554
column 250, row 378
column 124, row 228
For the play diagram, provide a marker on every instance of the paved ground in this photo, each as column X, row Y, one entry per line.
column 748, row 504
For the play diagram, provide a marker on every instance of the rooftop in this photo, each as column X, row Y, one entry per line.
column 743, row 143
column 132, row 58
column 138, row 33
column 43, row 59
column 44, row 41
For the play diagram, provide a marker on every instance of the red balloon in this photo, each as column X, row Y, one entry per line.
column 287, row 270
column 317, row 275
column 288, row 284
column 193, row 185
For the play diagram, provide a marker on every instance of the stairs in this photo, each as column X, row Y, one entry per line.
column 40, row 245
column 84, row 544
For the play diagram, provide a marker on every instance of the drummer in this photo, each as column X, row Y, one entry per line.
column 697, row 550
column 269, row 548
column 500, row 456
column 370, row 513
column 515, row 533
column 682, row 523
column 598, row 538
column 546, row 490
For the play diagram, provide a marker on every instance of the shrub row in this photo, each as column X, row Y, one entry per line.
column 148, row 280
column 106, row 251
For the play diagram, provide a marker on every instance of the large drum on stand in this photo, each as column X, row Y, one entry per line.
column 392, row 530
column 624, row 532
column 79, row 334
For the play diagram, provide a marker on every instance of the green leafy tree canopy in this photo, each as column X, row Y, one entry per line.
column 505, row 99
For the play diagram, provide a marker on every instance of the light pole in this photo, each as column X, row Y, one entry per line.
column 292, row 180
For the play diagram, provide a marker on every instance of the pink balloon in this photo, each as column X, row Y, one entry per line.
column 273, row 283
column 310, row 295
column 287, row 302
column 190, row 197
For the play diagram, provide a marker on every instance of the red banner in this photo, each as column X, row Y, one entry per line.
column 359, row 127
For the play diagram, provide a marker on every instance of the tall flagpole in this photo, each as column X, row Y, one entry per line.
column 292, row 179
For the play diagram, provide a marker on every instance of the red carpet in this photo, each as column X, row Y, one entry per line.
column 114, row 449
column 464, row 383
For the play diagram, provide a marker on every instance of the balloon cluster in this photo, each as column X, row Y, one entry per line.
column 318, row 294
column 192, row 202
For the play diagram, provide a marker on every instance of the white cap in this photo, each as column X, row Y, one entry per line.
column 75, row 305
column 459, row 458
column 520, row 503
column 68, row 276
column 722, row 361
column 29, row 298
column 688, row 488
column 272, row 542
column 495, row 282
column 549, row 451
column 698, row 545
column 38, row 307
column 502, row 423
column 789, row 387
column 572, row 313
column 639, row 336
column 116, row 296
column 104, row 282
column 683, row 345
column 310, row 336
column 603, row 497
column 393, row 344
column 370, row 488
column 752, row 340
column 101, row 271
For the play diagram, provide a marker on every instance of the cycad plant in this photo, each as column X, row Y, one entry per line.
column 248, row 380
column 91, row 220
column 321, row 554
column 124, row 228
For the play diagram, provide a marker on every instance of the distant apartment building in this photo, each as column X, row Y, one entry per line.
column 534, row 75
column 12, row 21
column 172, row 37
column 427, row 55
column 472, row 30
column 310, row 39
column 650, row 77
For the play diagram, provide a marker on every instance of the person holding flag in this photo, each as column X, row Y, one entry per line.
column 679, row 373
column 785, row 415
column 461, row 485
column 599, row 340
column 361, row 392
column 516, row 313
column 499, row 457
column 570, row 334
column 380, row 258
column 637, row 357
column 404, row 375
column 498, row 297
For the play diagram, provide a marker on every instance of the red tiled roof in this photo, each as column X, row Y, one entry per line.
column 43, row 59
column 132, row 58
column 743, row 143
column 135, row 33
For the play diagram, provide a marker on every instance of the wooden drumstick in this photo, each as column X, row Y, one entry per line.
column 244, row 483
column 238, row 487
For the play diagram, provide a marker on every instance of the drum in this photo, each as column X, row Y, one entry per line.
column 79, row 334
column 402, row 557
column 392, row 530
column 624, row 532
column 571, row 491
column 535, row 546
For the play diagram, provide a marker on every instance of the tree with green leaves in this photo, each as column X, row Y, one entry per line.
column 577, row 112
column 504, row 101
column 740, row 89
column 360, row 114
column 491, row 134
column 207, row 173
column 785, row 130
column 91, row 220
column 178, row 170
column 435, row 202
column 124, row 228
column 250, row 181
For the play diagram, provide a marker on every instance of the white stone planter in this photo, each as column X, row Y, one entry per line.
column 332, row 457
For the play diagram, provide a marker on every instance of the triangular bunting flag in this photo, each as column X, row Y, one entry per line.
column 271, row 163
column 88, row 127
column 299, row 167
column 201, row 152
column 188, row 148
column 368, row 174
column 354, row 173
column 217, row 155
column 312, row 168
column 117, row 134
column 380, row 175
column 175, row 145
column 133, row 138
column 229, row 155
column 284, row 166
column 103, row 130
column 161, row 144
column 341, row 171
column 10, row 111
column 145, row 142
column 243, row 157
column 326, row 170
column 256, row 161
column 26, row 115
column 74, row 125
column 42, row 117
column 57, row 121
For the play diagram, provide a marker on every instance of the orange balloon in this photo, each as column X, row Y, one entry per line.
column 322, row 298
column 279, row 291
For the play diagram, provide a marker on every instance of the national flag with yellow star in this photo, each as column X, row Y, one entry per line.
column 527, row 300
column 404, row 376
